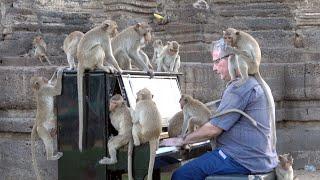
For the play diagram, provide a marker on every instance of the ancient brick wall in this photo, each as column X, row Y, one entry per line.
column 291, row 69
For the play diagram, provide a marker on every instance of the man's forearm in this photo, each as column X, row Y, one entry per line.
column 205, row 132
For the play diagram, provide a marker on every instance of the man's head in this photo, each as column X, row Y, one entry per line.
column 220, row 59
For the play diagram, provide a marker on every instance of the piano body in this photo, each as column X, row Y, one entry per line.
column 98, row 88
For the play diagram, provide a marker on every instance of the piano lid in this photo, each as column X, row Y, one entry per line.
column 165, row 90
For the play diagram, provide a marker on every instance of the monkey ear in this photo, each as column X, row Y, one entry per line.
column 105, row 26
column 137, row 26
column 238, row 33
column 224, row 32
column 36, row 86
column 290, row 159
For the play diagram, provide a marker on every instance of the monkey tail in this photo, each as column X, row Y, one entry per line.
column 271, row 107
column 80, row 105
column 33, row 153
column 254, row 122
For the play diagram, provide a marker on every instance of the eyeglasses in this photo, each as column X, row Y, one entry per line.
column 218, row 60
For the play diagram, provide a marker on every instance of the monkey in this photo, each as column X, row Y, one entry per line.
column 298, row 41
column 45, row 120
column 121, row 120
column 146, row 124
column 284, row 170
column 247, row 53
column 70, row 45
column 157, row 49
column 93, row 47
column 127, row 46
column 201, row 4
column 197, row 113
column 169, row 58
column 175, row 124
column 40, row 49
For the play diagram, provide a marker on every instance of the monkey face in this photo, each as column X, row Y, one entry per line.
column 37, row 82
column 37, row 40
column 183, row 100
column 231, row 36
column 110, row 27
column 157, row 43
column 144, row 30
column 286, row 161
column 113, row 105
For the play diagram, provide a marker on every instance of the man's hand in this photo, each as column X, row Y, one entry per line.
column 177, row 141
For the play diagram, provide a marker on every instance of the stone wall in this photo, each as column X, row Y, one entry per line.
column 290, row 67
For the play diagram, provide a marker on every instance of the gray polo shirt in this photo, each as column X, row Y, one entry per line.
column 248, row 145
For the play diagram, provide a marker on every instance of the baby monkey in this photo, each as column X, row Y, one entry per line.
column 40, row 49
column 169, row 58
column 284, row 169
column 121, row 120
column 157, row 49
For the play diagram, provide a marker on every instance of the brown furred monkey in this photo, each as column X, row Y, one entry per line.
column 175, row 124
column 70, row 45
column 121, row 120
column 197, row 113
column 127, row 46
column 169, row 58
column 146, row 124
column 40, row 49
column 246, row 59
column 92, row 49
column 45, row 122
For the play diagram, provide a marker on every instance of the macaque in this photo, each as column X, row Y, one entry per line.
column 169, row 59
column 127, row 46
column 40, row 49
column 194, row 113
column 175, row 124
column 197, row 113
column 284, row 170
column 45, row 122
column 70, row 45
column 246, row 59
column 121, row 120
column 201, row 4
column 92, row 49
column 157, row 49
column 146, row 124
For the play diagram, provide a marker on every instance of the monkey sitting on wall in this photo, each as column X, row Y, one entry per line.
column 45, row 122
column 157, row 49
column 92, row 49
column 169, row 58
column 127, row 46
column 40, row 49
column 284, row 169
column 121, row 120
column 70, row 45
column 146, row 124
column 246, row 60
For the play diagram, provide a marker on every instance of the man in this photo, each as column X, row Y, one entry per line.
column 242, row 148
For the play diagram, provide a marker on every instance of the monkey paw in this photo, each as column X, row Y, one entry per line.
column 55, row 157
column 136, row 143
column 106, row 160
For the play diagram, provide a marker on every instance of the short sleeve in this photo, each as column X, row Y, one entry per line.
column 229, row 101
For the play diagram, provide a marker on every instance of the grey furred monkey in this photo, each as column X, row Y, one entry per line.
column 247, row 59
column 127, row 46
column 169, row 58
column 146, row 124
column 121, row 120
column 70, row 45
column 284, row 169
column 157, row 49
column 40, row 49
column 92, row 49
column 45, row 121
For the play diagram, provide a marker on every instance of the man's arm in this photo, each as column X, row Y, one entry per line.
column 205, row 132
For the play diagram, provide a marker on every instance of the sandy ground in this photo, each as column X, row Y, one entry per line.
column 303, row 175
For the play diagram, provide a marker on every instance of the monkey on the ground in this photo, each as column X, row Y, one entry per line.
column 146, row 124
column 45, row 121
column 197, row 113
column 40, row 49
column 92, row 49
column 127, row 46
column 70, row 45
column 246, row 60
column 120, row 118
column 169, row 58
column 284, row 170
column 157, row 49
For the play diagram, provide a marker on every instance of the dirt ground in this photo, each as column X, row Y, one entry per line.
column 303, row 175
